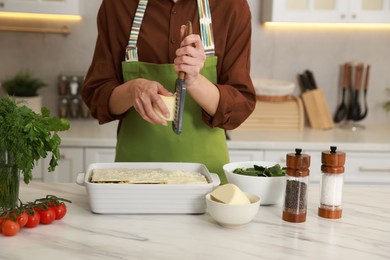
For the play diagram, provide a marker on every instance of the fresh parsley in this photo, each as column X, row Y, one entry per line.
column 29, row 136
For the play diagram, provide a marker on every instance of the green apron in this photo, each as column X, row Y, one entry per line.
column 141, row 141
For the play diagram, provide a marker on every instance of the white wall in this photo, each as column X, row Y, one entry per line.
column 276, row 53
column 282, row 54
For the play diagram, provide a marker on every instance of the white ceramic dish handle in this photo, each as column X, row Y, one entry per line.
column 80, row 179
column 216, row 180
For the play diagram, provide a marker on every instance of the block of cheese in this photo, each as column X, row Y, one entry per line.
column 170, row 102
column 229, row 194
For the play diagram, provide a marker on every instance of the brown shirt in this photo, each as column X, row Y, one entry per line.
column 158, row 40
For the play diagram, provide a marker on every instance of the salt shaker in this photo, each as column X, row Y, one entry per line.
column 297, row 179
column 332, row 179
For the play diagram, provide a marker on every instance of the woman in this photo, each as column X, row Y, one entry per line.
column 128, row 73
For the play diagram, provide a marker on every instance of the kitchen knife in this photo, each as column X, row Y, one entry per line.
column 304, row 82
column 311, row 79
column 180, row 89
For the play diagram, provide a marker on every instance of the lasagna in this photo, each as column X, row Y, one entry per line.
column 146, row 176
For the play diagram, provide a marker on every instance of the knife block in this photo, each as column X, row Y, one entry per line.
column 317, row 109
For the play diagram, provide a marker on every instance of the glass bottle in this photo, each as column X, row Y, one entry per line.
column 75, row 108
column 63, row 108
column 332, row 181
column 63, row 85
column 74, row 86
column 297, row 179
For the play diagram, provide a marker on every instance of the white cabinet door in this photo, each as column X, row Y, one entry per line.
column 99, row 155
column 367, row 167
column 69, row 166
column 305, row 10
column 245, row 155
column 328, row 11
column 370, row 11
column 69, row 7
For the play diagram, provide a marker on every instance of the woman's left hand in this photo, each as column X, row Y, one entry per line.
column 190, row 57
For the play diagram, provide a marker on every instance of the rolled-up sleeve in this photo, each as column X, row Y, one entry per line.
column 237, row 94
column 104, row 74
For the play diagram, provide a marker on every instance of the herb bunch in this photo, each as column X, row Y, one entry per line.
column 29, row 136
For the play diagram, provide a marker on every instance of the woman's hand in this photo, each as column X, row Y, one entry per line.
column 142, row 94
column 190, row 57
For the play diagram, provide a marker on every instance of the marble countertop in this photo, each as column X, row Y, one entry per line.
column 375, row 138
column 362, row 233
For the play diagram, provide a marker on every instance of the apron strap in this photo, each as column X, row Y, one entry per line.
column 205, row 22
column 131, row 49
column 206, row 30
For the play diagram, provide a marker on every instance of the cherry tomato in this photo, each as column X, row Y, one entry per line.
column 1, row 224
column 33, row 220
column 10, row 228
column 22, row 219
column 60, row 210
column 47, row 216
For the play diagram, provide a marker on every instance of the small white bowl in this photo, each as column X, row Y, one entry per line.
column 233, row 216
column 269, row 189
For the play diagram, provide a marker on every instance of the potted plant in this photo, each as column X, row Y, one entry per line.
column 24, row 87
column 25, row 138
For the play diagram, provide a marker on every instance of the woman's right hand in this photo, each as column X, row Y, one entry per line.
column 142, row 94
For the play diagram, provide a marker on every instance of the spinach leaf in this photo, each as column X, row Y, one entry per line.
column 262, row 171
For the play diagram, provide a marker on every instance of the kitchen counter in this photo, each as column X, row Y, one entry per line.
column 362, row 233
column 373, row 138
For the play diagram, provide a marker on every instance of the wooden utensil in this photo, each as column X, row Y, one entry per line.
column 366, row 79
column 342, row 110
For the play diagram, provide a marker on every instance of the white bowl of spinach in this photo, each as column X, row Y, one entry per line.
column 263, row 178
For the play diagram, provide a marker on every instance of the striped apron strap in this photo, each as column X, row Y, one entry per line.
column 206, row 29
column 131, row 49
column 205, row 22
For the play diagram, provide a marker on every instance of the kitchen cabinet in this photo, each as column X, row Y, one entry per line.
column 327, row 11
column 245, row 155
column 71, row 163
column 98, row 155
column 69, row 7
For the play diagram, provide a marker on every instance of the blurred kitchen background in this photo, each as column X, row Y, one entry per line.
column 278, row 53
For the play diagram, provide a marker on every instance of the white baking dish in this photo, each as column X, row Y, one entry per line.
column 114, row 198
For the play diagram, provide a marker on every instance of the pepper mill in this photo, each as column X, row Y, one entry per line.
column 332, row 180
column 297, row 179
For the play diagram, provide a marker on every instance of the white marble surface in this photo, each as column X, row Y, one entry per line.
column 362, row 233
column 374, row 138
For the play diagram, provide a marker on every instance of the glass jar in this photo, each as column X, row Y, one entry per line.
column 74, row 86
column 297, row 180
column 75, row 108
column 63, row 85
column 63, row 108
column 9, row 181
column 332, row 181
